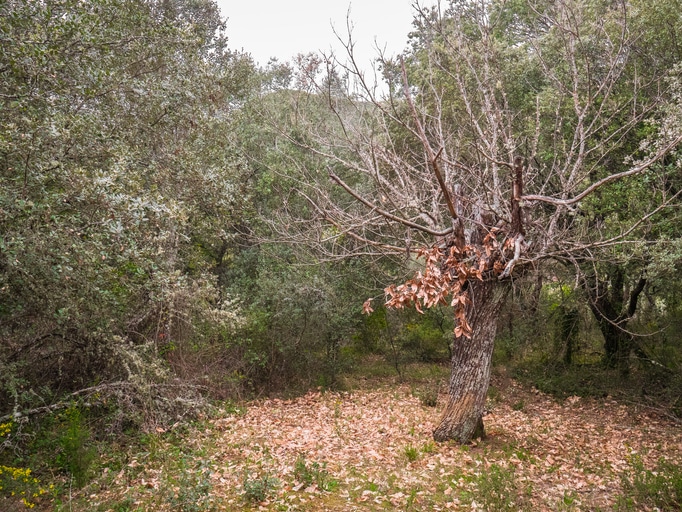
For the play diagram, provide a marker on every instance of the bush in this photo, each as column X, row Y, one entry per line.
column 259, row 488
column 103, row 260
column 77, row 453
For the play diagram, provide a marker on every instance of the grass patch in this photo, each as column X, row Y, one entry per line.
column 429, row 447
column 376, row 372
column 496, row 488
column 257, row 489
column 411, row 453
column 660, row 487
column 313, row 473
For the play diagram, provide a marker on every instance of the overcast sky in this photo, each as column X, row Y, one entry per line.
column 284, row 28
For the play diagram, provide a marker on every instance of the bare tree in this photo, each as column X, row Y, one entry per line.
column 498, row 127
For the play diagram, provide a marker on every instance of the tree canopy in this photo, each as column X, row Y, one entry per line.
column 117, row 165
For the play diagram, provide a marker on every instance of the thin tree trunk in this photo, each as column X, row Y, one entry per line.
column 462, row 419
column 568, row 320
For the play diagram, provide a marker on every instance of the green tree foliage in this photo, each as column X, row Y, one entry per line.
column 301, row 306
column 118, row 177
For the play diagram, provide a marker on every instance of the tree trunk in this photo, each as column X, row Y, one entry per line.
column 462, row 419
column 612, row 317
column 568, row 319
column 617, row 342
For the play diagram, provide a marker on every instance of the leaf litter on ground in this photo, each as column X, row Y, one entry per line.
column 551, row 453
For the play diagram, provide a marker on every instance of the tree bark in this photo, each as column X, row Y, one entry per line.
column 462, row 419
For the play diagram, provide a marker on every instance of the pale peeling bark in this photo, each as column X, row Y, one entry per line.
column 462, row 419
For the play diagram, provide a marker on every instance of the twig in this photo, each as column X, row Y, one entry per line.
column 613, row 177
column 517, row 254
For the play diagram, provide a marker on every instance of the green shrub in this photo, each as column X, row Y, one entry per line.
column 424, row 340
column 77, row 453
column 258, row 489
column 192, row 488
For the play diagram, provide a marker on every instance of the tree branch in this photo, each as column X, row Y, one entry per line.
column 386, row 214
column 518, row 242
column 634, row 296
column 349, row 231
column 613, row 177
column 433, row 158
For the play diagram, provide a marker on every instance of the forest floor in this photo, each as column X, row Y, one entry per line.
column 371, row 449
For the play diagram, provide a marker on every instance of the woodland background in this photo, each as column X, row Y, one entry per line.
column 160, row 253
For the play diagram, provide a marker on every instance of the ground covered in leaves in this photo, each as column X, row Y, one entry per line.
column 371, row 449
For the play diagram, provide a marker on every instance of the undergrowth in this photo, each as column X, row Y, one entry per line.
column 496, row 488
column 257, row 489
column 313, row 473
column 660, row 487
column 190, row 489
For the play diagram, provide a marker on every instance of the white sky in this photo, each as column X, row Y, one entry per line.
column 284, row 28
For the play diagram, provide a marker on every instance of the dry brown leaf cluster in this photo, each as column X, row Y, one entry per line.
column 446, row 273
column 578, row 448
column 375, row 446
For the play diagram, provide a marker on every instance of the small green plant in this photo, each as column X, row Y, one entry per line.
column 302, row 472
column 371, row 486
column 411, row 499
column 77, row 453
column 569, row 501
column 259, row 488
column 411, row 453
column 192, row 489
column 313, row 473
column 429, row 447
column 660, row 488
